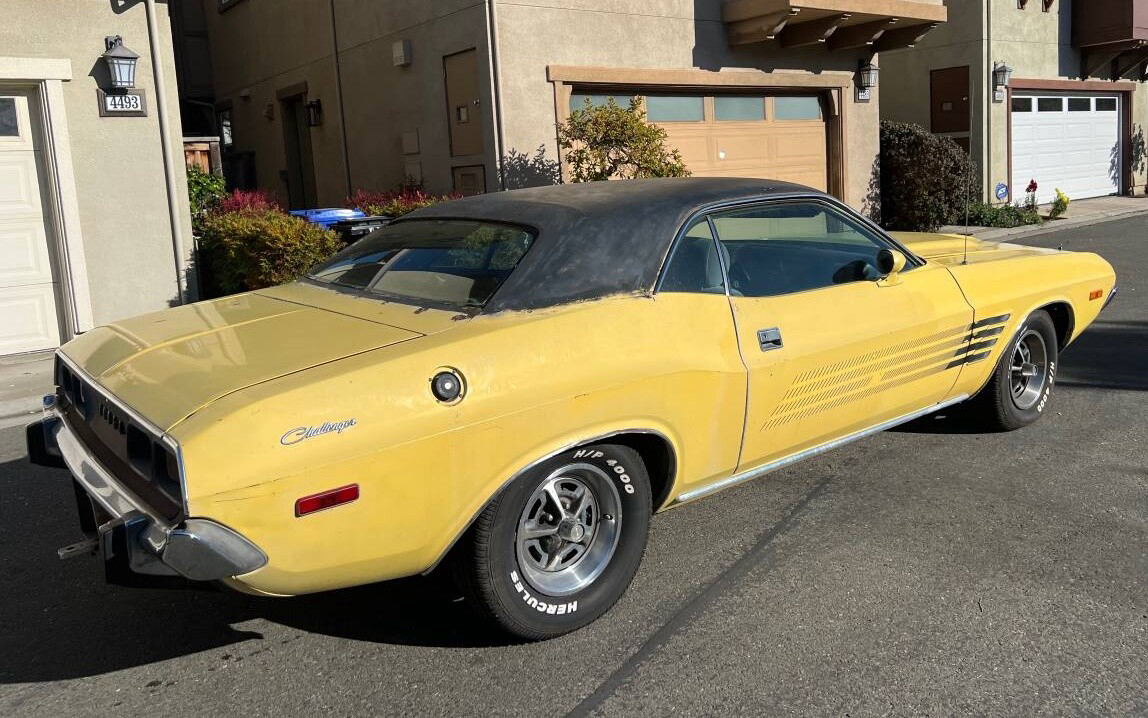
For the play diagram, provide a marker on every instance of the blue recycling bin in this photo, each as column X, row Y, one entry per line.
column 327, row 216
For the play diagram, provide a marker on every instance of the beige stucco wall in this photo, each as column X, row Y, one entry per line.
column 1036, row 44
column 259, row 48
column 117, row 161
column 651, row 34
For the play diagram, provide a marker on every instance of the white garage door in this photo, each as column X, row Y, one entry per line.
column 28, row 320
column 1066, row 141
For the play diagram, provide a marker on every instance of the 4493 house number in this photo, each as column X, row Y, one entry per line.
column 122, row 104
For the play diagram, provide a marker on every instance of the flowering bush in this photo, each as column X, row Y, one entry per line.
column 1030, row 196
column 240, row 200
column 395, row 203
column 1059, row 205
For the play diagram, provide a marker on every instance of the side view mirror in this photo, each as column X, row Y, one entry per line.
column 890, row 262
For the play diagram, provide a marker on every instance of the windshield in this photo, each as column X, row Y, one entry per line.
column 453, row 262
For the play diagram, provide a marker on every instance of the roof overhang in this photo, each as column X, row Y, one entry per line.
column 836, row 24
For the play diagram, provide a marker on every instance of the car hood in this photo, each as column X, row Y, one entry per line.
column 952, row 248
column 169, row 364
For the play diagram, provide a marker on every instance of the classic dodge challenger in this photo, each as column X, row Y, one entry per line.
column 510, row 385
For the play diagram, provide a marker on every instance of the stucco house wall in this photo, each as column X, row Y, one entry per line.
column 112, row 232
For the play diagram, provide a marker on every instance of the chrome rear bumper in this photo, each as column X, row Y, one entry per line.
column 133, row 539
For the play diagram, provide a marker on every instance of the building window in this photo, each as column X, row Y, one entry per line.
column 1080, row 104
column 796, row 108
column 1050, row 104
column 675, row 108
column 1106, row 104
column 1022, row 104
column 735, row 108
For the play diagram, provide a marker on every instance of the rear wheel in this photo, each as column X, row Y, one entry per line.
column 558, row 547
column 1021, row 385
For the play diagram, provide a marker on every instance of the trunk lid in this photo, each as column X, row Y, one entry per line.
column 169, row 364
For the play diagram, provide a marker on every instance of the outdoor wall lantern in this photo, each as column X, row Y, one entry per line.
column 314, row 110
column 121, row 63
column 866, row 81
column 1002, row 76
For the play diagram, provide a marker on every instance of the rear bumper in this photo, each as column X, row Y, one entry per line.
column 135, row 542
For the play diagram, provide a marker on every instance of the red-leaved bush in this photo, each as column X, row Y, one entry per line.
column 395, row 203
column 240, row 200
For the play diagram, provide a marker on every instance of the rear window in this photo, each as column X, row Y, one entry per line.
column 448, row 262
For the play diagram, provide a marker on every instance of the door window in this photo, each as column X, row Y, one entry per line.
column 792, row 247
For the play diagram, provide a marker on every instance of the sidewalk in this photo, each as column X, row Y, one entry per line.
column 24, row 380
column 1080, row 213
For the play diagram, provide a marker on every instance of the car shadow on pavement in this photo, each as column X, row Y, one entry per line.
column 59, row 619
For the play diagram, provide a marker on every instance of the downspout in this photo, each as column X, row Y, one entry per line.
column 169, row 165
column 987, row 99
column 492, row 52
column 339, row 97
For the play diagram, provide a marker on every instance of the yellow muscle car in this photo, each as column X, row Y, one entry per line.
column 510, row 385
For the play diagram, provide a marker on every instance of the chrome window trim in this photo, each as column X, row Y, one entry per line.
column 157, row 433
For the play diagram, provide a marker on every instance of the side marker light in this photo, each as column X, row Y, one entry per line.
column 326, row 500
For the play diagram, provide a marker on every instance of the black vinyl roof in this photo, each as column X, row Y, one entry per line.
column 597, row 238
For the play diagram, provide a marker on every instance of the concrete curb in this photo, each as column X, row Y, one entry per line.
column 17, row 412
column 992, row 234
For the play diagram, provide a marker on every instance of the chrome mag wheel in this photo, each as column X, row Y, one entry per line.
column 1029, row 370
column 569, row 530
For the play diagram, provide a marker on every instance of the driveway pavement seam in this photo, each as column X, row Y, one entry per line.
column 760, row 554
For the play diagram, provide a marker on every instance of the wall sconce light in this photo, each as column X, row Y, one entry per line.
column 867, row 75
column 1002, row 76
column 121, row 62
column 314, row 110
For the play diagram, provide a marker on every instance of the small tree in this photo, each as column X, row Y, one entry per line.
column 204, row 190
column 612, row 142
column 926, row 179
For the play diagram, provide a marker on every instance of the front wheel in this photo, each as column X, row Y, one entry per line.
column 1021, row 385
column 558, row 547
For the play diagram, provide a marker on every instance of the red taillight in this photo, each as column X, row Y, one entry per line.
column 1095, row 294
column 326, row 500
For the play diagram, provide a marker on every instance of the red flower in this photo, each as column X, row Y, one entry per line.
column 1031, row 186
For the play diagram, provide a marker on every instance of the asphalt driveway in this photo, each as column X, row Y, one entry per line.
column 929, row 571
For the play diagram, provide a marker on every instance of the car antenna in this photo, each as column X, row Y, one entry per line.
column 968, row 191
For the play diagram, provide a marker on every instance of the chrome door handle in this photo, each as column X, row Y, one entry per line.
column 769, row 339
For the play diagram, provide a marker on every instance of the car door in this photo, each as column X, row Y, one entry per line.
column 831, row 347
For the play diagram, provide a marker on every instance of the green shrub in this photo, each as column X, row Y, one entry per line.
column 253, row 249
column 204, row 191
column 999, row 215
column 925, row 178
column 612, row 142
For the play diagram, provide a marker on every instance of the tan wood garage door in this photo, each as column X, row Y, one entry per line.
column 28, row 318
column 765, row 136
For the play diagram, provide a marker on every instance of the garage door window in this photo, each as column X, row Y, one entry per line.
column 796, row 108
column 675, row 108
column 1106, row 104
column 1080, row 104
column 1050, row 104
column 739, row 109
column 1022, row 104
column 578, row 100
column 8, row 126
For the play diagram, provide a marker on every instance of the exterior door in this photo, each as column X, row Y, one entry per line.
column 463, row 104
column 831, row 348
column 28, row 310
column 949, row 103
column 300, row 174
column 1070, row 142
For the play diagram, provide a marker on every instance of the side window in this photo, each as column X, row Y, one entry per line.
column 793, row 247
column 695, row 265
